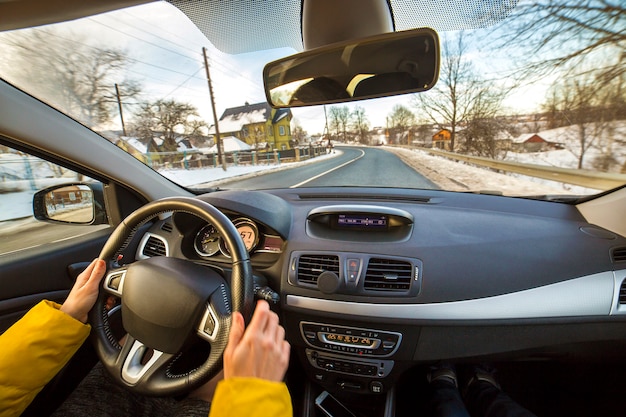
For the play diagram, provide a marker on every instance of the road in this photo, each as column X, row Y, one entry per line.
column 360, row 167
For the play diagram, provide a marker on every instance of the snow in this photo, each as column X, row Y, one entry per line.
column 455, row 176
column 230, row 144
column 191, row 177
column 611, row 140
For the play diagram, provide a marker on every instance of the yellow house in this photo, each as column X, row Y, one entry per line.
column 259, row 125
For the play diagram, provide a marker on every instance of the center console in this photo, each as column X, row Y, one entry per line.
column 347, row 359
column 338, row 353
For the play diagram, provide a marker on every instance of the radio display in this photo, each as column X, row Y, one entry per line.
column 350, row 340
column 361, row 221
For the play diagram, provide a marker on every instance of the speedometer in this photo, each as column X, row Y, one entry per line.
column 249, row 234
column 207, row 242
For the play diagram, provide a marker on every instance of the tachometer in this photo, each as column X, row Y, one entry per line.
column 207, row 242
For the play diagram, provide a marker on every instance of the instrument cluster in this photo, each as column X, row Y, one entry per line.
column 209, row 242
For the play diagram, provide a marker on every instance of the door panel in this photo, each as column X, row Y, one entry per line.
column 46, row 272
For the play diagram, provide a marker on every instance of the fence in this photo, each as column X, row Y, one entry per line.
column 189, row 160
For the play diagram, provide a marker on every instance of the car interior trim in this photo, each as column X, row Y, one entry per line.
column 585, row 296
column 133, row 369
column 619, row 303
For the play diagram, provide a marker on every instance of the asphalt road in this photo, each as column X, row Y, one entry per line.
column 360, row 167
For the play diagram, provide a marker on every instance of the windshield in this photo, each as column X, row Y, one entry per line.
column 537, row 97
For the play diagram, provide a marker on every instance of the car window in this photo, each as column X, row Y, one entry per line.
column 518, row 98
column 21, row 176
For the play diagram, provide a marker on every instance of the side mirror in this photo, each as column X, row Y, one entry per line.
column 75, row 203
column 378, row 66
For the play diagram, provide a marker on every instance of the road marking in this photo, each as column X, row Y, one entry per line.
column 329, row 171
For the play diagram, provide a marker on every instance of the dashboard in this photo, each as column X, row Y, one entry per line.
column 372, row 282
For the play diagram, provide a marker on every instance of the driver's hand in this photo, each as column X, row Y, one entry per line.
column 85, row 291
column 259, row 352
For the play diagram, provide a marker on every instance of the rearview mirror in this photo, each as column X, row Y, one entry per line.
column 378, row 66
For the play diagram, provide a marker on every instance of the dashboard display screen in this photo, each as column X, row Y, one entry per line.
column 361, row 221
column 345, row 339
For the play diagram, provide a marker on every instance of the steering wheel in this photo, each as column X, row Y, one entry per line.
column 167, row 303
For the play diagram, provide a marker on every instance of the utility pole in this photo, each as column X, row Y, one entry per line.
column 119, row 105
column 218, row 140
column 326, row 125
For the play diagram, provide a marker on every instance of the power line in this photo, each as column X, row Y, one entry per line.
column 227, row 68
column 138, row 38
column 183, row 83
column 162, row 29
column 139, row 61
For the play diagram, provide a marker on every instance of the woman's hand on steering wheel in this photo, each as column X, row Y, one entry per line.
column 84, row 293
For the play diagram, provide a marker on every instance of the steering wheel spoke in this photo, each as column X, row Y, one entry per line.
column 209, row 325
column 216, row 317
column 113, row 282
column 139, row 361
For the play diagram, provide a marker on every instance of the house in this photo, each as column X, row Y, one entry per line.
column 259, row 125
column 442, row 139
column 535, row 143
column 150, row 154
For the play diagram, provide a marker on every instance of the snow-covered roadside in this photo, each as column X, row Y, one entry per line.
column 456, row 176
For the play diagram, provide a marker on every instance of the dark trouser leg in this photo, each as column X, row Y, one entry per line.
column 485, row 400
column 99, row 396
column 445, row 400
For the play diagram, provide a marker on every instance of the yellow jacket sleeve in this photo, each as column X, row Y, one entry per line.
column 251, row 397
column 32, row 351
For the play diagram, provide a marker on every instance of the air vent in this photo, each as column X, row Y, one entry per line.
column 388, row 275
column 154, row 247
column 618, row 254
column 167, row 227
column 622, row 293
column 311, row 266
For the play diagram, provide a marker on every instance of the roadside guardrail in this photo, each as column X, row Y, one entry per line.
column 583, row 178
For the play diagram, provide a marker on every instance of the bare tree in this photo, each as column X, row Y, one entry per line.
column 82, row 76
column 582, row 102
column 449, row 103
column 584, row 43
column 401, row 119
column 483, row 131
column 461, row 99
column 297, row 132
column 168, row 120
column 360, row 124
column 339, row 119
column 561, row 34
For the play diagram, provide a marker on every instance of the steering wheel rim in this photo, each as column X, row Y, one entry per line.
column 155, row 376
